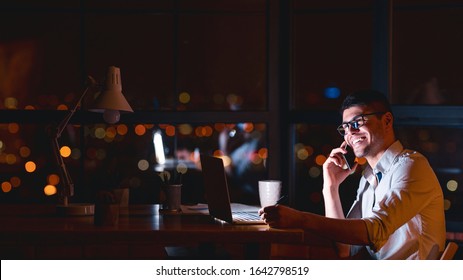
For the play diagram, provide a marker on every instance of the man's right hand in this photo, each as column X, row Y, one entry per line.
column 333, row 172
column 280, row 216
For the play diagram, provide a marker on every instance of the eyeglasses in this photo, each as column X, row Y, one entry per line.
column 356, row 123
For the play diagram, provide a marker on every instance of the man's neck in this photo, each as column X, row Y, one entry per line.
column 373, row 160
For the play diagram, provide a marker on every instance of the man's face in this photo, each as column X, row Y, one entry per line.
column 368, row 139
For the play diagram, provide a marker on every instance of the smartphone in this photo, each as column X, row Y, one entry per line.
column 349, row 158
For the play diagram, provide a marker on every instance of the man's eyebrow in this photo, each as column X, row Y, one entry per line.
column 353, row 118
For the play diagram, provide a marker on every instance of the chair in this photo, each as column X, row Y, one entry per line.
column 449, row 251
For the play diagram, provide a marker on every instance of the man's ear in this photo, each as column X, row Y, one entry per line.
column 388, row 118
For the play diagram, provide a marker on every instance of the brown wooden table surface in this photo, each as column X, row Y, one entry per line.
column 37, row 232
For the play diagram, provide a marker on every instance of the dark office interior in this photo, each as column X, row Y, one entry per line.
column 256, row 82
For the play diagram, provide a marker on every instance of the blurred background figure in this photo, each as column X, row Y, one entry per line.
column 239, row 145
column 428, row 93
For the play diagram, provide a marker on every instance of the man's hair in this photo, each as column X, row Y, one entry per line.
column 372, row 98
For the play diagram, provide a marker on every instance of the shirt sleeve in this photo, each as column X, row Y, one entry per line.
column 411, row 186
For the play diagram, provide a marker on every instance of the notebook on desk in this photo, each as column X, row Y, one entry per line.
column 218, row 197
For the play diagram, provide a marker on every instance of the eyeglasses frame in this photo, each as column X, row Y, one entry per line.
column 355, row 121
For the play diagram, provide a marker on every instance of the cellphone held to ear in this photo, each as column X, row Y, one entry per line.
column 349, row 158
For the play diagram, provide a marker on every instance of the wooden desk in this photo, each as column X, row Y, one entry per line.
column 36, row 232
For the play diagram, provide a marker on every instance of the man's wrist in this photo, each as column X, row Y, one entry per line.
column 330, row 189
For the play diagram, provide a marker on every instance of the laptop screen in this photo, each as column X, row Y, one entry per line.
column 215, row 185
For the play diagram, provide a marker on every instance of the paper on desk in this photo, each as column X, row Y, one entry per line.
column 199, row 208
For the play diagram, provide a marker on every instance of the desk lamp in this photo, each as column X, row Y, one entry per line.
column 109, row 102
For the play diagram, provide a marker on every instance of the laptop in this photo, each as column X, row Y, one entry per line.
column 218, row 197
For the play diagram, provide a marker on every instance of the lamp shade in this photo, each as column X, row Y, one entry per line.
column 111, row 98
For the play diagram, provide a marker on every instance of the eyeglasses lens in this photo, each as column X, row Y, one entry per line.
column 355, row 124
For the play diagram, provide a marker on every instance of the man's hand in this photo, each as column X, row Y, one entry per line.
column 333, row 172
column 280, row 216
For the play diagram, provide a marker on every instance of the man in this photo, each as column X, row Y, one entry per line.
column 398, row 212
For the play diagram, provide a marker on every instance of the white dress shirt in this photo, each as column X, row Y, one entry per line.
column 404, row 212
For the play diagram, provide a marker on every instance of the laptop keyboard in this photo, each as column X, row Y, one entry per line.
column 246, row 216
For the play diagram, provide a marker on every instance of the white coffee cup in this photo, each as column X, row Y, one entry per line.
column 269, row 192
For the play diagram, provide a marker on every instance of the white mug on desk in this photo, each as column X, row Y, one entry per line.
column 269, row 192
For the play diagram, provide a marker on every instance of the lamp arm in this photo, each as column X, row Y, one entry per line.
column 68, row 189
column 62, row 125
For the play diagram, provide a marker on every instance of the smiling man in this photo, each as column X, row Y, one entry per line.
column 398, row 212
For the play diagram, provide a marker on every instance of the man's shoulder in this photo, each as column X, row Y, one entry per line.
column 402, row 153
column 408, row 154
column 413, row 162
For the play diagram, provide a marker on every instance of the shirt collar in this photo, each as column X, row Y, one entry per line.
column 386, row 160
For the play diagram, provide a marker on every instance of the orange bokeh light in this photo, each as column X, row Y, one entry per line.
column 361, row 161
column 263, row 153
column 53, row 179
column 65, row 151
column 13, row 128
column 320, row 159
column 62, row 107
column 219, row 126
column 122, row 129
column 15, row 181
column 49, row 190
column 140, row 129
column 6, row 187
column 217, row 153
column 248, row 127
column 170, row 130
column 30, row 166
